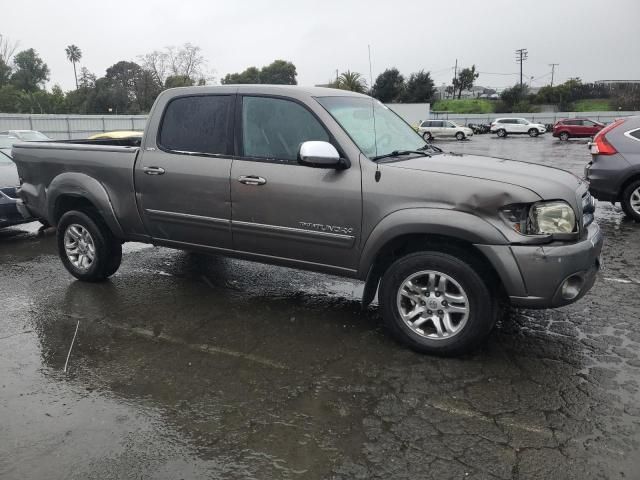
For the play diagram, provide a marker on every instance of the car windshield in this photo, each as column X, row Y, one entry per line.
column 5, row 159
column 389, row 133
column 33, row 136
column 7, row 141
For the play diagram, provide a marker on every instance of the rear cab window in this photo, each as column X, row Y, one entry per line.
column 197, row 125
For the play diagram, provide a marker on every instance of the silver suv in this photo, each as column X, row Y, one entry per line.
column 516, row 126
column 330, row 181
column 443, row 128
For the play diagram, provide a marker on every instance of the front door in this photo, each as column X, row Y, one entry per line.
column 182, row 179
column 282, row 209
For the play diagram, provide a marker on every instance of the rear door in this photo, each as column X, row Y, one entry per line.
column 182, row 179
column 282, row 209
column 589, row 128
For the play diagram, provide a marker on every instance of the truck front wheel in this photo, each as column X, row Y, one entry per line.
column 86, row 246
column 437, row 303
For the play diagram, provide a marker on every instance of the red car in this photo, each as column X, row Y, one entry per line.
column 576, row 128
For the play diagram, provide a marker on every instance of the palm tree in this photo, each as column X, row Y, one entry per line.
column 352, row 81
column 74, row 54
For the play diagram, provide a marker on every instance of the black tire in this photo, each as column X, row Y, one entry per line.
column 482, row 304
column 460, row 136
column 427, row 136
column 564, row 136
column 626, row 200
column 502, row 133
column 533, row 132
column 108, row 249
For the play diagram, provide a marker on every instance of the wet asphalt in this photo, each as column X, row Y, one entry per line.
column 193, row 366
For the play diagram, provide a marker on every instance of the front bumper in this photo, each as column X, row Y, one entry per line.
column 558, row 274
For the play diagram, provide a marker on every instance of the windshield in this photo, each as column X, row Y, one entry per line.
column 391, row 133
column 7, row 142
column 5, row 159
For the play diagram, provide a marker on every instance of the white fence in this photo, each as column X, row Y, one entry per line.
column 65, row 127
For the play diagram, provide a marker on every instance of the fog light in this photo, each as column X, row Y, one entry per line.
column 571, row 287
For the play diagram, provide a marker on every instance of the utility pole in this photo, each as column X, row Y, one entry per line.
column 521, row 56
column 553, row 70
column 455, row 77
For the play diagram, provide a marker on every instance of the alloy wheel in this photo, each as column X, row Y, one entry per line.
column 433, row 305
column 79, row 246
column 634, row 200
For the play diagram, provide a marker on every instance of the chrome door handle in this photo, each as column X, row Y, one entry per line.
column 153, row 170
column 252, row 180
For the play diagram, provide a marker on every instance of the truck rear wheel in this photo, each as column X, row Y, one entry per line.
column 86, row 246
column 631, row 200
column 436, row 303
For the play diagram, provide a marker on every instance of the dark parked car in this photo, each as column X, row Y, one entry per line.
column 576, row 128
column 614, row 171
column 9, row 214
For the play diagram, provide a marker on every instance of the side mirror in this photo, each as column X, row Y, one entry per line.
column 321, row 155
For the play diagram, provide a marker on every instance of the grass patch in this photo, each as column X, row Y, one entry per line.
column 464, row 105
column 592, row 105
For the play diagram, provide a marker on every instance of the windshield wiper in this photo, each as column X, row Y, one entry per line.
column 398, row 153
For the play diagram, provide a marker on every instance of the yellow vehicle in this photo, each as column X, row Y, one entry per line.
column 116, row 135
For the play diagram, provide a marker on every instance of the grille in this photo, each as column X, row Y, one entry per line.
column 588, row 209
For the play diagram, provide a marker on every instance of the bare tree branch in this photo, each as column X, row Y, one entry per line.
column 7, row 49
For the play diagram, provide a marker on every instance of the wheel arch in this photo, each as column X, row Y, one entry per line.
column 412, row 230
column 72, row 190
column 632, row 177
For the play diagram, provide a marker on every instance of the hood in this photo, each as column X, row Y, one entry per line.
column 8, row 175
column 547, row 182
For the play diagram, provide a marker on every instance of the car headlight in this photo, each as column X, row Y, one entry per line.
column 543, row 218
column 552, row 218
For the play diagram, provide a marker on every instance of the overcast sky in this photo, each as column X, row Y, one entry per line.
column 592, row 39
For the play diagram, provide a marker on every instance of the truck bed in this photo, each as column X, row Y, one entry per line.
column 48, row 165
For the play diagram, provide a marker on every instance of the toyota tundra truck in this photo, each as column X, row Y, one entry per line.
column 329, row 181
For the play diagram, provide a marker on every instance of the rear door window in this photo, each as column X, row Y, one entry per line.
column 197, row 125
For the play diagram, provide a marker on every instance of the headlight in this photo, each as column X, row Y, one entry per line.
column 544, row 218
column 552, row 218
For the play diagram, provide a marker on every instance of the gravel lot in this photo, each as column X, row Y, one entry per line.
column 189, row 366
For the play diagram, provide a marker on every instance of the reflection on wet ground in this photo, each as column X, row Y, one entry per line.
column 190, row 366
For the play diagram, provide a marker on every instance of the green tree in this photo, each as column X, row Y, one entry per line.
column 30, row 71
column 465, row 79
column 419, row 88
column 280, row 72
column 389, row 86
column 178, row 81
column 5, row 73
column 250, row 76
column 9, row 99
column 74, row 54
column 352, row 81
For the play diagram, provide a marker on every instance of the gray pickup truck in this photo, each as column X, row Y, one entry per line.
column 329, row 181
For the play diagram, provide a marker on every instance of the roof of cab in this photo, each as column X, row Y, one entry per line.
column 294, row 91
